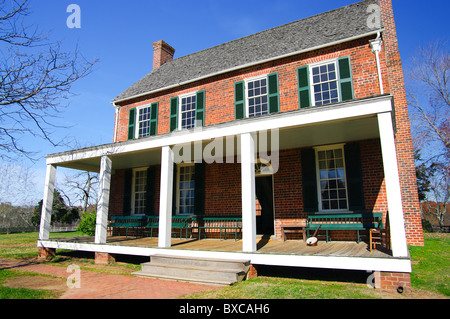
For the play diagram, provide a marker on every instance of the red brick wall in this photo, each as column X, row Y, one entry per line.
column 219, row 106
column 288, row 190
column 116, row 193
column 393, row 281
column 223, row 189
column 405, row 153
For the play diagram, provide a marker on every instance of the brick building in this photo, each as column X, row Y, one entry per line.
column 306, row 118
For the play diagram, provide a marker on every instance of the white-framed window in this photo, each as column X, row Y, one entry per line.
column 331, row 178
column 139, row 191
column 185, row 189
column 324, row 82
column 256, row 91
column 143, row 121
column 188, row 104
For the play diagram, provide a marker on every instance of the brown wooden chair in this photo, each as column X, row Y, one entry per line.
column 380, row 236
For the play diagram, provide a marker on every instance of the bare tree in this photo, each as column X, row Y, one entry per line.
column 81, row 187
column 18, row 185
column 429, row 97
column 429, row 102
column 440, row 190
column 36, row 76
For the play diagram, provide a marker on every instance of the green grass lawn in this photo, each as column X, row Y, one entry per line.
column 431, row 264
column 430, row 277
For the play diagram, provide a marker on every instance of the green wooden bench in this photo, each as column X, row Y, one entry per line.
column 347, row 221
column 133, row 223
column 225, row 225
column 180, row 224
column 152, row 223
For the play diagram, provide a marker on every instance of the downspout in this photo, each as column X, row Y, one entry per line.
column 376, row 48
column 117, row 108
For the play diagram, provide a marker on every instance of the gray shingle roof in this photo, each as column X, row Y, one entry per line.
column 332, row 26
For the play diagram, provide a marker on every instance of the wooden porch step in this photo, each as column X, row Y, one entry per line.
column 193, row 269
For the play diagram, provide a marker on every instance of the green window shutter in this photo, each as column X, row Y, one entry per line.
column 354, row 176
column 127, row 192
column 308, row 161
column 173, row 113
column 200, row 108
column 199, row 189
column 274, row 103
column 131, row 123
column 303, row 86
column 154, row 118
column 239, row 100
column 345, row 79
column 150, row 192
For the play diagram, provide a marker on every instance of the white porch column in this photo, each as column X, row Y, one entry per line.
column 393, row 189
column 103, row 200
column 248, row 193
column 47, row 202
column 165, row 200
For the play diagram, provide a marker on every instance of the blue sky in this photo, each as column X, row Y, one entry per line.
column 120, row 34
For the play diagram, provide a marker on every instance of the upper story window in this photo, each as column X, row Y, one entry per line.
column 257, row 99
column 256, row 96
column 143, row 121
column 187, row 111
column 325, row 82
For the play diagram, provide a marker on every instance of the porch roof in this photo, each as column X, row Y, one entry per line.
column 336, row 123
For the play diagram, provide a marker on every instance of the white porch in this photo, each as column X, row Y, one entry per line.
column 292, row 253
column 337, row 123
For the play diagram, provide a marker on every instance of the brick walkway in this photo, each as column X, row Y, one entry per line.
column 97, row 285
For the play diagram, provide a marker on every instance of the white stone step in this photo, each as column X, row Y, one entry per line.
column 203, row 270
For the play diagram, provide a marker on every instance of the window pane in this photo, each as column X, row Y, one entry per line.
column 257, row 97
column 332, row 182
column 188, row 105
column 143, row 121
column 140, row 186
column 325, row 84
column 186, row 189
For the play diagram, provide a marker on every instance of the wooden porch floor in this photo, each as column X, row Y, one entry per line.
column 264, row 246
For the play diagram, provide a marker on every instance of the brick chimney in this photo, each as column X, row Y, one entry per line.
column 162, row 53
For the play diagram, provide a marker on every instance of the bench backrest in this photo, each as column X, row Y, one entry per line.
column 368, row 220
column 177, row 221
column 218, row 221
column 127, row 221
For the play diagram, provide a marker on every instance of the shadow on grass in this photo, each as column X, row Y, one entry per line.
column 350, row 276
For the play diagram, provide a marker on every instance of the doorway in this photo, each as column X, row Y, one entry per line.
column 264, row 195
